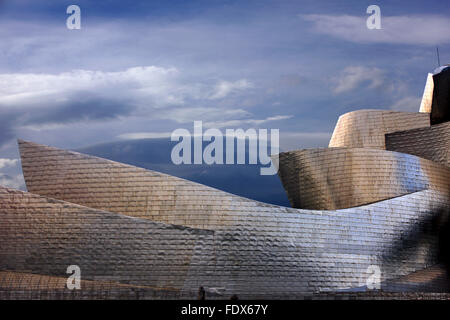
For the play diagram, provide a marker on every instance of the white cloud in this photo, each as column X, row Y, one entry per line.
column 16, row 182
column 212, row 124
column 354, row 76
column 414, row 29
column 32, row 89
column 139, row 87
column 224, row 88
column 191, row 114
column 241, row 122
column 144, row 135
column 41, row 101
column 411, row 104
column 7, row 162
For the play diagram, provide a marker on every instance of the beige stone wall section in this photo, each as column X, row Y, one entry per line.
column 427, row 98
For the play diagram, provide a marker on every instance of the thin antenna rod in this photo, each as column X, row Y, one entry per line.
column 439, row 60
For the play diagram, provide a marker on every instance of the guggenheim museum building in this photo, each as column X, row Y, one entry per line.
column 369, row 219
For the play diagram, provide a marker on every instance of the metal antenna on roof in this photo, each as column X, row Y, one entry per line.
column 439, row 61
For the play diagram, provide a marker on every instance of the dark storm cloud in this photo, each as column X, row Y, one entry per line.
column 7, row 122
column 81, row 106
column 308, row 60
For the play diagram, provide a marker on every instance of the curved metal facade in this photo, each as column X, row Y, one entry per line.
column 266, row 252
column 137, row 233
column 431, row 143
column 337, row 178
column 367, row 128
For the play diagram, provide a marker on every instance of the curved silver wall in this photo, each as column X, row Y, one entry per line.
column 431, row 143
column 336, row 178
column 137, row 233
column 238, row 247
column 366, row 128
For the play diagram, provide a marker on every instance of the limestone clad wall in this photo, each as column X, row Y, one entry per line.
column 427, row 98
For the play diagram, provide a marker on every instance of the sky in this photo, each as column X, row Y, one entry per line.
column 142, row 69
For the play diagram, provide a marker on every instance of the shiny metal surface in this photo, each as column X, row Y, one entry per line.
column 141, row 234
column 225, row 243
